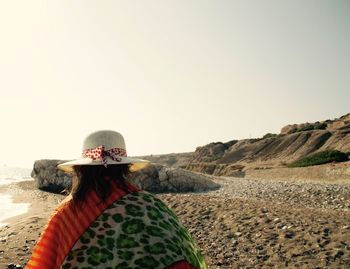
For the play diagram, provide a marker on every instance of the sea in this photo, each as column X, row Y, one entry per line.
column 8, row 208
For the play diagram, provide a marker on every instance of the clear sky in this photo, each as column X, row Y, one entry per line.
column 169, row 75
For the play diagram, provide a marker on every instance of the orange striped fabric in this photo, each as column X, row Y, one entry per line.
column 66, row 225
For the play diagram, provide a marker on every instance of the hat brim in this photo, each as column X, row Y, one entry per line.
column 135, row 164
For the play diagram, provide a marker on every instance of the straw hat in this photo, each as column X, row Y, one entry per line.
column 104, row 148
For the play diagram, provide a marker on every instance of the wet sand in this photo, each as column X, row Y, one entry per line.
column 245, row 224
column 18, row 237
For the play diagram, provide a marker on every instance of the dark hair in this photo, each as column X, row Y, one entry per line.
column 98, row 178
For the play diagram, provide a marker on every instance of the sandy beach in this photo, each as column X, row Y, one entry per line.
column 245, row 224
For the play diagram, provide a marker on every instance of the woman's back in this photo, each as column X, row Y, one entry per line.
column 136, row 231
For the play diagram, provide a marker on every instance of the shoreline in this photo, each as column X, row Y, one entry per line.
column 244, row 224
column 7, row 204
column 19, row 235
column 24, row 191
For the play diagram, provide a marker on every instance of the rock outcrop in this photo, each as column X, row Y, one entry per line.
column 330, row 125
column 293, row 143
column 154, row 178
column 212, row 151
column 158, row 178
column 47, row 177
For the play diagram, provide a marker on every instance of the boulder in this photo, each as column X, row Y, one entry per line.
column 47, row 177
column 158, row 178
column 154, row 178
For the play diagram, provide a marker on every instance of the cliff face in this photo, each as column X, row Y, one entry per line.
column 294, row 142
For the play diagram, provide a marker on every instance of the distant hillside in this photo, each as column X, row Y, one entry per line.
column 295, row 141
column 180, row 160
column 273, row 150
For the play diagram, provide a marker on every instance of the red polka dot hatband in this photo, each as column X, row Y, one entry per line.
column 104, row 148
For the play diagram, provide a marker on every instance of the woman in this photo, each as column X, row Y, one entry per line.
column 108, row 223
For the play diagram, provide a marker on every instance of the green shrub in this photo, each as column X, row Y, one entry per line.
column 320, row 126
column 294, row 130
column 309, row 127
column 269, row 135
column 321, row 158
